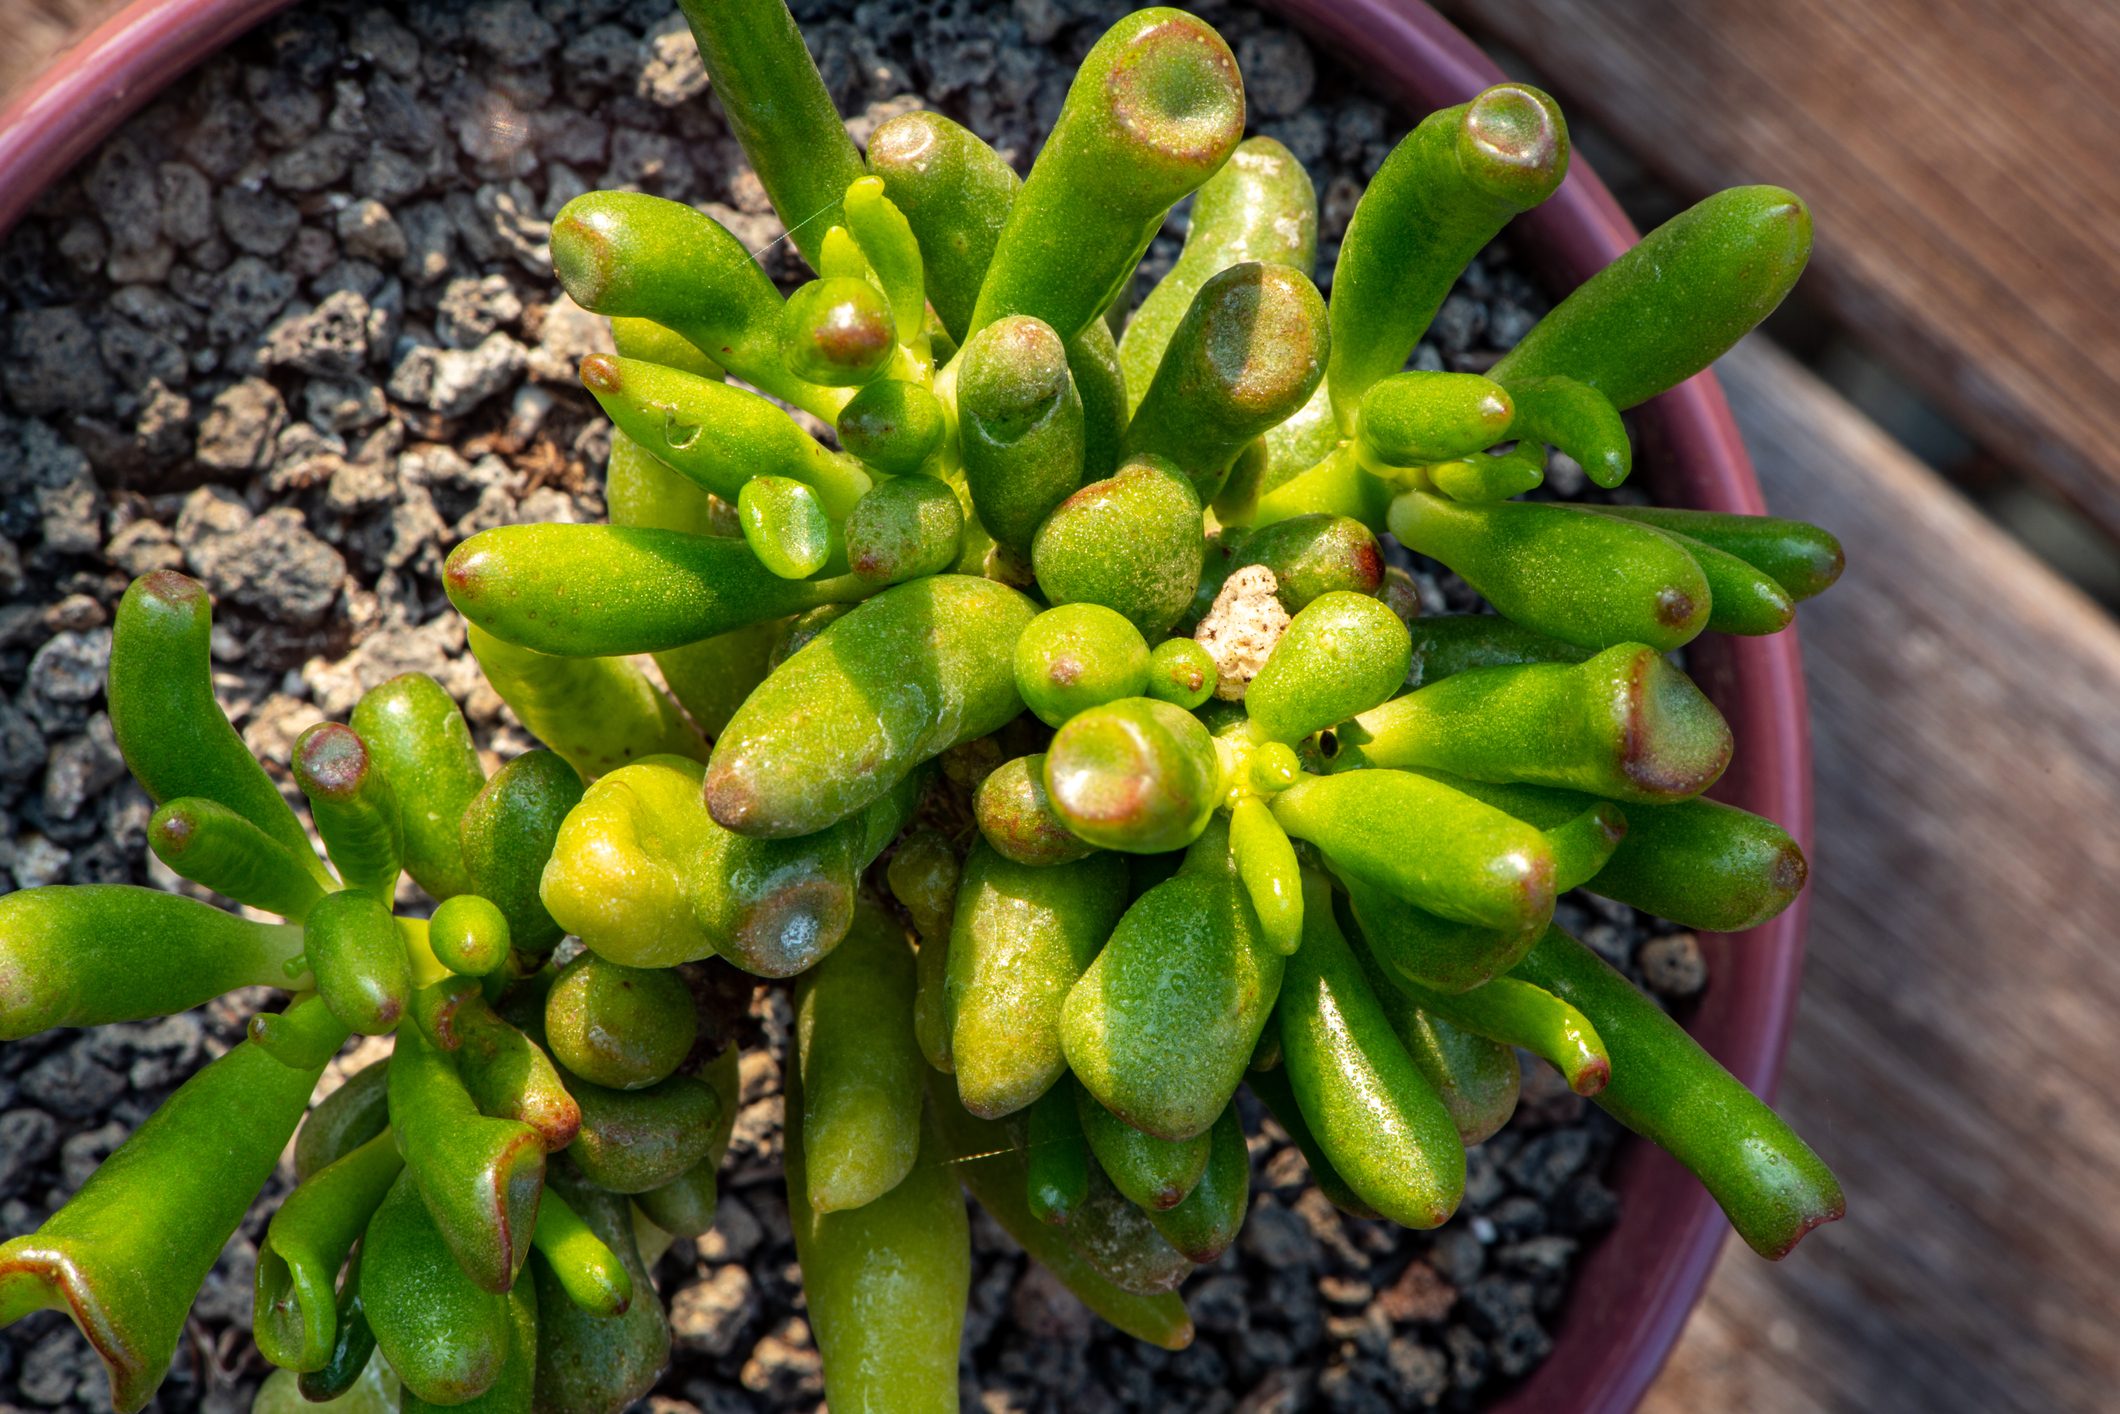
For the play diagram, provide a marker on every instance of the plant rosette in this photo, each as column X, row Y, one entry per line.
column 1250, row 827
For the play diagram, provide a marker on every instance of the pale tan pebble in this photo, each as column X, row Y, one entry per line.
column 1241, row 629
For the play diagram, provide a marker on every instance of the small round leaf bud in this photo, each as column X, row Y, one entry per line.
column 1078, row 656
column 837, row 332
column 904, row 528
column 469, row 935
column 1181, row 671
column 1017, row 817
column 623, row 1027
column 892, row 425
column 1136, row 775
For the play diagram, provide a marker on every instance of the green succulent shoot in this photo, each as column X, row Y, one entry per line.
column 1256, row 824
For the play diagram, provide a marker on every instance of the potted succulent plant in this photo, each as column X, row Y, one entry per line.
column 1305, row 847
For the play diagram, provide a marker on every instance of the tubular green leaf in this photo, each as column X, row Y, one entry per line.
column 1154, row 111
column 1704, row 865
column 1260, row 207
column 355, row 810
column 597, row 713
column 1625, row 725
column 861, row 1066
column 1139, row 775
column 358, row 956
column 420, row 741
column 1151, row 1173
column 717, row 435
column 1427, row 844
column 1801, row 558
column 1445, row 191
column 1414, row 418
column 211, row 845
column 1577, row 418
column 630, row 255
column 172, row 732
column 1132, row 542
column 777, row 106
column 295, row 1315
column 1374, row 1115
column 1164, row 1021
column 1022, row 936
column 508, row 836
column 589, row 1364
column 602, row 591
column 91, row 954
column 1667, row 1089
column 1676, row 302
column 625, row 1027
column 479, row 1177
column 907, row 1253
column 1587, row 579
column 1516, row 1013
column 126, row 1255
column 591, row 1274
column 1021, row 427
column 1343, row 654
column 1248, row 354
column 445, row 1335
column 904, row 677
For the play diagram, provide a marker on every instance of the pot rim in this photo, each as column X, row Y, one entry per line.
column 1631, row 1297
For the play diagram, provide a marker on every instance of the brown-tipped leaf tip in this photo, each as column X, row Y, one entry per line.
column 461, row 572
column 1832, row 1211
column 851, row 337
column 35, row 1280
column 600, row 373
column 1592, row 1078
column 1830, row 574
column 786, row 933
column 1532, row 875
column 1264, row 336
column 1022, row 373
column 1512, row 142
column 730, row 799
column 171, row 830
column 442, row 1023
column 1795, row 218
column 582, row 257
column 1175, row 92
column 1673, row 742
column 521, row 1171
column 901, row 145
column 171, row 587
column 330, row 760
column 1789, row 871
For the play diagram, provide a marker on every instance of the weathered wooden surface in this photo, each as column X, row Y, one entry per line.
column 1957, row 1058
column 33, row 31
column 1958, row 156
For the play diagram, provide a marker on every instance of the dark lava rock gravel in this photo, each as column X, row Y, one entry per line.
column 293, row 330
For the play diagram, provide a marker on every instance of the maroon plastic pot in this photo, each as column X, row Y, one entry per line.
column 1640, row 1282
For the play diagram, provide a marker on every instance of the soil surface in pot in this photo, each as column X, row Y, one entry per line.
column 293, row 330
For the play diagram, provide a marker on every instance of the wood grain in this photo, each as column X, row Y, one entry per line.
column 32, row 32
column 1957, row 1058
column 1958, row 156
